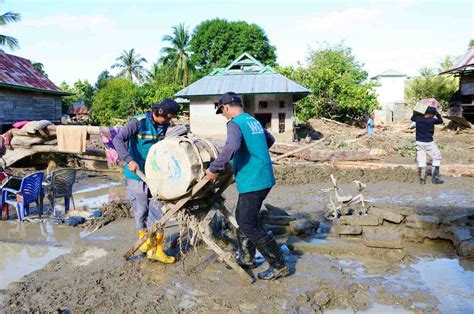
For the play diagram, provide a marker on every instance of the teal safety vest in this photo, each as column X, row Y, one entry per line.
column 139, row 144
column 251, row 164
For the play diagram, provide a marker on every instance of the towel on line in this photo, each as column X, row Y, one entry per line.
column 71, row 138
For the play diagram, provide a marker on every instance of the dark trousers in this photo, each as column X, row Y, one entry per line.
column 247, row 214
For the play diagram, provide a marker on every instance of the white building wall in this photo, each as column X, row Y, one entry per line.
column 274, row 109
column 203, row 118
column 204, row 122
column 390, row 95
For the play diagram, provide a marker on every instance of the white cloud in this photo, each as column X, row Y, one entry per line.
column 340, row 20
column 75, row 23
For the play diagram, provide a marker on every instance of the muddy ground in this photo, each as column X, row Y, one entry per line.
column 327, row 273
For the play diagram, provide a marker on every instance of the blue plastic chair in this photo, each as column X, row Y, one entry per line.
column 29, row 192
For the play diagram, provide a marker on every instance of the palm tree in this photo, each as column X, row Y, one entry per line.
column 131, row 66
column 154, row 73
column 426, row 72
column 5, row 40
column 177, row 56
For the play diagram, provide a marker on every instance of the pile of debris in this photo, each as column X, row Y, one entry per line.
column 383, row 228
column 280, row 221
column 98, row 218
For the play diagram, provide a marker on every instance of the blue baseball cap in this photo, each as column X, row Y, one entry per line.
column 166, row 107
column 228, row 98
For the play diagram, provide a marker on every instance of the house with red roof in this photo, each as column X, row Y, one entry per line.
column 25, row 93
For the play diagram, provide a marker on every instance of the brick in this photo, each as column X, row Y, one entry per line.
column 466, row 248
column 442, row 233
column 422, row 221
column 455, row 220
column 363, row 220
column 387, row 215
column 347, row 230
column 388, row 241
column 407, row 211
column 461, row 234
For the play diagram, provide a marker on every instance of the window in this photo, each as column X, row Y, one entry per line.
column 282, row 104
column 281, row 122
column 262, row 105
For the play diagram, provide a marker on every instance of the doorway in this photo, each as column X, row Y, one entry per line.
column 265, row 120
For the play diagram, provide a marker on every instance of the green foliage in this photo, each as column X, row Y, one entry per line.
column 409, row 150
column 130, row 65
column 119, row 98
column 82, row 90
column 431, row 85
column 217, row 42
column 9, row 17
column 176, row 57
column 153, row 92
column 103, row 76
column 40, row 67
column 337, row 84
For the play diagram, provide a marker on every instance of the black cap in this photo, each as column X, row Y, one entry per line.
column 166, row 107
column 431, row 110
column 228, row 98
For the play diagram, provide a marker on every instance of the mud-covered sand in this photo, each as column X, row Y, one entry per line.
column 326, row 272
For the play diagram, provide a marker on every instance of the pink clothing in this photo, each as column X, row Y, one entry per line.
column 19, row 124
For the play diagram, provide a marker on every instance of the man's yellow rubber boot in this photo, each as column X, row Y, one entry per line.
column 147, row 245
column 158, row 254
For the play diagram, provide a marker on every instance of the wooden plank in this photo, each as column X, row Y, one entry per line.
column 298, row 150
column 14, row 155
column 230, row 261
column 325, row 155
column 446, row 170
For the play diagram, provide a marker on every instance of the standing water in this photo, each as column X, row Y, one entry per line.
column 26, row 247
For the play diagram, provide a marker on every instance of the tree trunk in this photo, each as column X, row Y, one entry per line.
column 327, row 155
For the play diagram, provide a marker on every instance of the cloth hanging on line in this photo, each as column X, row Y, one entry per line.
column 71, row 138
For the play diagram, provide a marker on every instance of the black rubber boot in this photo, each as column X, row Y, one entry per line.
column 247, row 251
column 271, row 251
column 422, row 173
column 435, row 178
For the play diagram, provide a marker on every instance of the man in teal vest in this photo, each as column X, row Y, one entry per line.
column 247, row 146
column 132, row 144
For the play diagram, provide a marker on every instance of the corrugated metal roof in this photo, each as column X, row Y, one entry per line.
column 463, row 64
column 466, row 59
column 19, row 72
column 273, row 83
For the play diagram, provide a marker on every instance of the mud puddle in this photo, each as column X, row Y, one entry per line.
column 449, row 281
column 91, row 196
column 26, row 247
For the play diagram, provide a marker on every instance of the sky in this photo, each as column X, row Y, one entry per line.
column 78, row 39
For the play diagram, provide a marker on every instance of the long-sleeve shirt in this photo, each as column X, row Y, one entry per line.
column 425, row 127
column 232, row 145
column 120, row 141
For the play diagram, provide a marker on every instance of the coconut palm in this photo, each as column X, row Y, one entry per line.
column 154, row 73
column 177, row 56
column 5, row 40
column 131, row 66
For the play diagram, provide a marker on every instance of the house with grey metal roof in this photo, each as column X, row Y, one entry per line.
column 267, row 95
column 25, row 93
